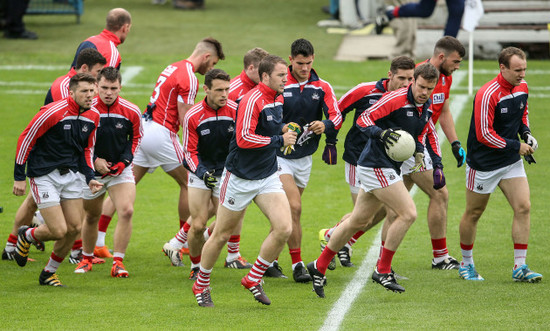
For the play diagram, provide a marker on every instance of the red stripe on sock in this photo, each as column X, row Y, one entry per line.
column 466, row 247
column 77, row 244
column 186, row 227
column 295, row 255
column 520, row 246
column 56, row 258
column 324, row 259
column 195, row 259
column 103, row 224
column 12, row 238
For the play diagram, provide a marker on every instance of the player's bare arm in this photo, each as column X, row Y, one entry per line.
column 182, row 110
column 19, row 187
column 447, row 123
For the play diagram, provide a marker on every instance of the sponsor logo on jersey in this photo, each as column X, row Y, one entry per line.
column 66, row 127
column 438, row 98
column 504, row 110
column 372, row 101
column 287, row 94
column 410, row 113
column 269, row 117
column 315, row 96
column 205, row 132
column 119, row 125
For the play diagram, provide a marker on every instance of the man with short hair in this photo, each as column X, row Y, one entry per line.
column 307, row 99
column 381, row 183
column 174, row 94
column 90, row 61
column 118, row 137
column 117, row 27
column 250, row 174
column 360, row 98
column 207, row 130
column 249, row 77
column 500, row 114
column 57, row 143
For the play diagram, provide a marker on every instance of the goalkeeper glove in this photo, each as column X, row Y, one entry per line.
column 389, row 137
column 115, row 170
column 459, row 153
column 209, row 179
column 439, row 177
column 329, row 154
column 418, row 162
column 530, row 140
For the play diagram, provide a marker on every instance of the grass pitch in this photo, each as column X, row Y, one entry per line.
column 159, row 296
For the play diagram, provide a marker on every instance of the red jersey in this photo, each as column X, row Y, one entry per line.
column 239, row 86
column 440, row 94
column 176, row 83
column 106, row 43
column 60, row 87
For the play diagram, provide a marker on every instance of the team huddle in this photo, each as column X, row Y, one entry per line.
column 252, row 139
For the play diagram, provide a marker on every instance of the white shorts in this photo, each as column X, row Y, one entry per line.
column 196, row 182
column 127, row 176
column 159, row 147
column 406, row 167
column 485, row 182
column 352, row 178
column 50, row 189
column 300, row 169
column 375, row 178
column 237, row 193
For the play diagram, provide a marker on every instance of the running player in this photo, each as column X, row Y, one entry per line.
column 307, row 99
column 251, row 174
column 118, row 137
column 381, row 182
column 56, row 145
column 500, row 115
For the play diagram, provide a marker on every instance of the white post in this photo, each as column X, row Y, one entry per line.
column 471, row 64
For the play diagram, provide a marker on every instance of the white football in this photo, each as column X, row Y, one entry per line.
column 403, row 149
column 37, row 219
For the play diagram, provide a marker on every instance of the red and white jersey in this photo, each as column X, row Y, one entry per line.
column 60, row 87
column 239, row 86
column 440, row 94
column 106, row 43
column 176, row 83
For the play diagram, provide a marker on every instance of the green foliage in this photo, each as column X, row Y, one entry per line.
column 159, row 296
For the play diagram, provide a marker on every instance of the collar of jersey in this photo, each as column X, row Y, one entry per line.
column 111, row 36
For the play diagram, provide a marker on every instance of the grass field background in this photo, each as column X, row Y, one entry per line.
column 159, row 296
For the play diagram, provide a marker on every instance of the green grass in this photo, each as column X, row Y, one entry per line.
column 159, row 296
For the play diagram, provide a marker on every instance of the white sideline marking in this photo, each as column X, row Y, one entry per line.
column 34, row 67
column 129, row 73
column 363, row 274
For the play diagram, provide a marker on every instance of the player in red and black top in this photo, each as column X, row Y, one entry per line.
column 500, row 115
column 381, row 182
column 308, row 99
column 447, row 56
column 118, row 137
column 359, row 99
column 56, row 145
column 251, row 174
column 249, row 78
column 174, row 94
column 117, row 27
column 89, row 60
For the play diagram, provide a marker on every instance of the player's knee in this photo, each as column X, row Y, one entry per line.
column 440, row 196
column 126, row 213
column 523, row 208
column 197, row 228
column 58, row 233
column 283, row 231
column 409, row 215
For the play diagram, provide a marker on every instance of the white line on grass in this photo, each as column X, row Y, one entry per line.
column 33, row 67
column 129, row 73
column 362, row 275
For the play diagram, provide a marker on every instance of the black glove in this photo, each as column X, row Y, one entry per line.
column 148, row 114
column 389, row 137
column 459, row 153
column 209, row 179
column 329, row 154
column 528, row 138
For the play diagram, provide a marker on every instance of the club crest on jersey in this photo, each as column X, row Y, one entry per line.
column 45, row 195
column 205, row 132
column 191, row 180
column 119, row 125
column 269, row 117
column 521, row 105
column 85, row 128
column 372, row 101
column 66, row 127
column 392, row 176
column 479, row 187
column 410, row 113
column 315, row 96
column 231, row 201
column 231, row 128
column 438, row 98
column 287, row 94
